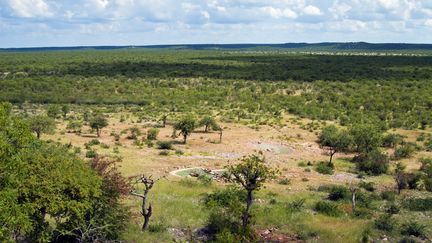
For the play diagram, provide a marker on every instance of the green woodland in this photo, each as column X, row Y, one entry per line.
column 356, row 106
column 394, row 91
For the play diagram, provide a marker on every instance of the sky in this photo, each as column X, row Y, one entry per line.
column 41, row 23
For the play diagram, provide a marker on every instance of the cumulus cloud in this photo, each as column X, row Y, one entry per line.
column 163, row 21
column 312, row 10
column 30, row 8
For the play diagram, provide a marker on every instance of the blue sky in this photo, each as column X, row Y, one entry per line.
column 26, row 23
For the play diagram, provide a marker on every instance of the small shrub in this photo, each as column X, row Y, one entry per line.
column 368, row 186
column 301, row 164
column 404, row 151
column 392, row 209
column 296, row 205
column 285, row 181
column 164, row 145
column 327, row 208
column 338, row 193
column 205, row 179
column 179, row 152
column 362, row 213
column 324, row 168
column 385, row 222
column 388, row 195
column 413, row 228
column 273, row 201
column 93, row 142
column 418, row 204
column 164, row 153
column 91, row 154
column 152, row 134
column 104, row 146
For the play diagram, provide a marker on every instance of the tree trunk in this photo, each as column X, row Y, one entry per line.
column 220, row 136
column 38, row 135
column 98, row 132
column 246, row 215
column 146, row 212
column 206, row 128
column 331, row 157
column 184, row 138
column 353, row 201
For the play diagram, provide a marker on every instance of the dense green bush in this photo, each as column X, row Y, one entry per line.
column 339, row 193
column 327, row 208
column 324, row 168
column 152, row 133
column 385, row 222
column 374, row 163
column 165, row 145
column 413, row 228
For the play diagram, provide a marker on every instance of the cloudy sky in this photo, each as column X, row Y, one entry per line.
column 25, row 23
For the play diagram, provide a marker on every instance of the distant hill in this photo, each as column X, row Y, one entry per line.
column 325, row 46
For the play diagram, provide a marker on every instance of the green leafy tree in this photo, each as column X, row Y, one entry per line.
column 98, row 122
column 251, row 174
column 186, row 126
column 334, row 140
column 208, row 122
column 42, row 124
column 366, row 137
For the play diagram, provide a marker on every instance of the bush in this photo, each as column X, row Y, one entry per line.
column 385, row 222
column 152, row 134
column 91, row 154
column 418, row 204
column 404, row 151
column 285, row 181
column 297, row 204
column 164, row 145
column 392, row 209
column 362, row 213
column 368, row 186
column 327, row 208
column 338, row 193
column 374, row 163
column 205, row 179
column 388, row 195
column 413, row 228
column 93, row 142
column 164, row 153
column 324, row 168
column 179, row 152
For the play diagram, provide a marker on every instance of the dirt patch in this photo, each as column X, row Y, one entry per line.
column 272, row 147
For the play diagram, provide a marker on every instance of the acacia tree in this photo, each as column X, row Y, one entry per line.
column 42, row 124
column 334, row 140
column 366, row 138
column 251, row 174
column 148, row 183
column 186, row 126
column 98, row 122
column 209, row 123
column 164, row 119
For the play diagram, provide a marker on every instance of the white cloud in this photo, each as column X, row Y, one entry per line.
column 279, row 13
column 428, row 23
column 312, row 10
column 30, row 8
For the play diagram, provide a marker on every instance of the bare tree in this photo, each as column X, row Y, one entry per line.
column 148, row 183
